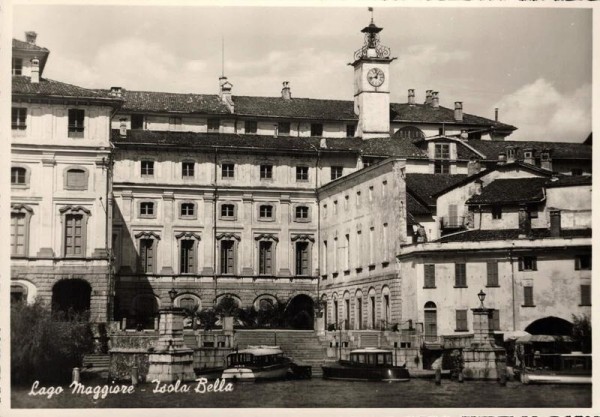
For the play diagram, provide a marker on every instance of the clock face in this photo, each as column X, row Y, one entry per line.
column 376, row 77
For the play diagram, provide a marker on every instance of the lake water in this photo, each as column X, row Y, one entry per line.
column 323, row 393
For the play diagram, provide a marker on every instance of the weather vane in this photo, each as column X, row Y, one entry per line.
column 371, row 10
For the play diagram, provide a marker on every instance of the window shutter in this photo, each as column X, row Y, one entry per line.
column 190, row 256
column 577, row 263
column 520, row 264
column 534, row 263
column 586, row 295
column 430, row 276
column 17, row 234
column 150, row 256
column 230, row 258
column 268, row 259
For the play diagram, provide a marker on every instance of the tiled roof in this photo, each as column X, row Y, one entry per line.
column 511, row 234
column 303, row 108
column 415, row 207
column 391, row 147
column 234, row 141
column 147, row 101
column 427, row 114
column 511, row 191
column 17, row 44
column 558, row 150
column 424, row 186
column 569, row 180
column 49, row 88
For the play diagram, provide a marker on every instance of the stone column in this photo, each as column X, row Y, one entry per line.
column 483, row 359
column 481, row 327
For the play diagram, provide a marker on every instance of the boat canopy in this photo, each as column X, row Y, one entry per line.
column 262, row 350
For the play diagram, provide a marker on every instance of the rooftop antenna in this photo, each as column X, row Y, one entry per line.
column 222, row 56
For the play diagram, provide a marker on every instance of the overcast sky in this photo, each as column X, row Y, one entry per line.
column 534, row 64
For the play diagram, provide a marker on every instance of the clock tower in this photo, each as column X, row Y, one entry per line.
column 372, row 85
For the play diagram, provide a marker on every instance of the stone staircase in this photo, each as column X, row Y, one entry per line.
column 304, row 347
column 96, row 360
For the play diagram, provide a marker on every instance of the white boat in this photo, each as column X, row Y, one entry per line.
column 256, row 363
column 574, row 368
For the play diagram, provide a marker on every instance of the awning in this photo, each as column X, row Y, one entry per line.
column 543, row 338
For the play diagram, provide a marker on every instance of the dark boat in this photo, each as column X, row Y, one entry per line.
column 572, row 368
column 367, row 364
column 257, row 363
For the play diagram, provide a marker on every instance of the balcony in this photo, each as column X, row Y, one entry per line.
column 453, row 222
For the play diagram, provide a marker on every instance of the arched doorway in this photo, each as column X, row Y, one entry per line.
column 145, row 310
column 299, row 312
column 430, row 322
column 553, row 326
column 71, row 296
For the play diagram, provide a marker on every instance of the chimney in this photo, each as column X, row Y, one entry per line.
column 555, row 228
column 478, row 184
column 528, row 156
column 496, row 114
column 464, row 135
column 411, row 96
column 30, row 37
column 473, row 167
column 225, row 93
column 458, row 111
column 286, row 92
column 115, row 91
column 428, row 96
column 323, row 143
column 524, row 222
column 35, row 70
column 546, row 159
column 123, row 127
column 435, row 100
column 502, row 158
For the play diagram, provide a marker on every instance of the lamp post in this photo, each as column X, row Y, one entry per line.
column 481, row 296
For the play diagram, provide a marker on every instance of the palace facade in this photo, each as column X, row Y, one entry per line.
column 384, row 214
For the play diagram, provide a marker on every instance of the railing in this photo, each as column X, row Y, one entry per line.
column 453, row 222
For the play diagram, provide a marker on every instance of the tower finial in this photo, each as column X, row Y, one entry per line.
column 371, row 10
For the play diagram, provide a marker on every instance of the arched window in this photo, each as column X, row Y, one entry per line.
column 409, row 132
column 359, row 310
column 430, row 321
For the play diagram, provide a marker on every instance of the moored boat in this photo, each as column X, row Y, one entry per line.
column 367, row 364
column 257, row 363
column 573, row 368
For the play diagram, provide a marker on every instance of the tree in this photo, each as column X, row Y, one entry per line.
column 46, row 346
column 582, row 333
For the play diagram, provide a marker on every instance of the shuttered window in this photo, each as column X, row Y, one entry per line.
column 227, row 257
column 250, row 126
column 583, row 262
column 18, row 234
column 460, row 275
column 461, row 321
column 19, row 118
column 302, row 260
column 74, row 235
column 265, row 261
column 429, row 276
column 492, row 274
column 147, row 255
column 77, row 179
column 586, row 295
column 495, row 320
column 528, row 296
column 187, row 256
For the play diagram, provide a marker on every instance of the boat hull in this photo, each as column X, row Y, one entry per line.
column 556, row 379
column 251, row 374
column 350, row 373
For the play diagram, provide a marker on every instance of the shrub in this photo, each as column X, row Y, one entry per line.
column 47, row 346
column 582, row 333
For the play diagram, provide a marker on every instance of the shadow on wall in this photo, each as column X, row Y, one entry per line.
column 135, row 305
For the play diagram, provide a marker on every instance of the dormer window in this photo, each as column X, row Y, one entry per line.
column 137, row 121
column 510, row 153
column 17, row 66
column 350, row 131
column 76, row 118
column 316, row 129
column 545, row 156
